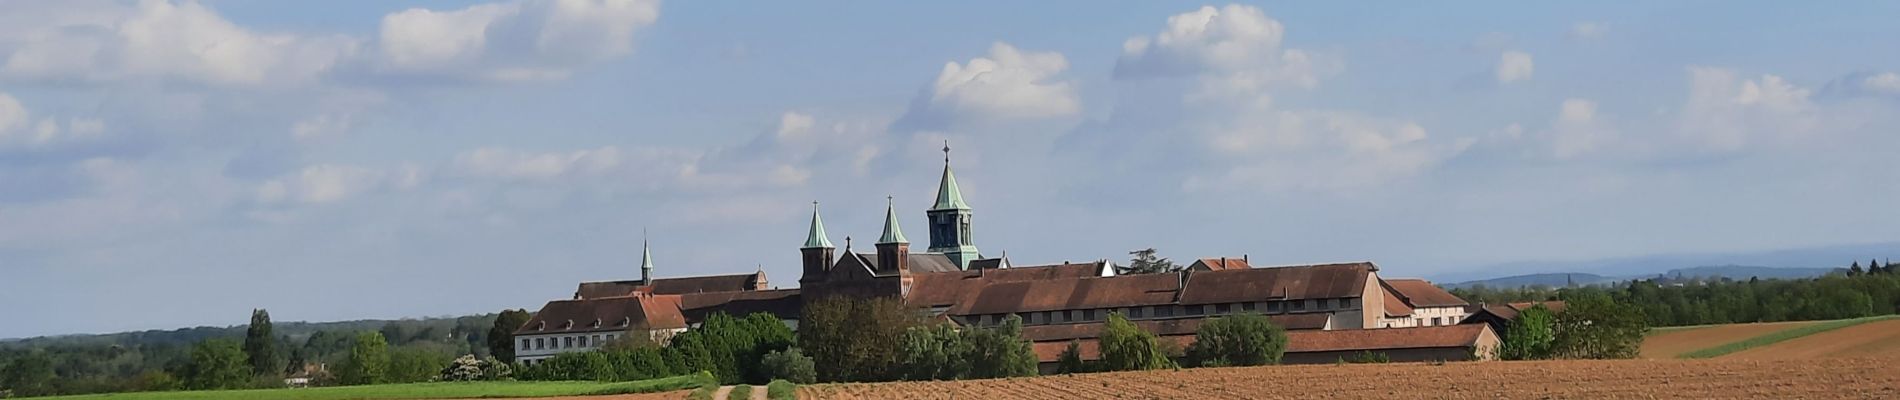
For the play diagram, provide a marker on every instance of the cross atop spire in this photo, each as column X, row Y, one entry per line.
column 892, row 234
column 946, row 152
column 816, row 238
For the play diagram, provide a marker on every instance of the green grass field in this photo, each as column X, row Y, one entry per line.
column 437, row 390
column 1780, row 336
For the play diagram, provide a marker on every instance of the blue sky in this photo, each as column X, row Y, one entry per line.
column 176, row 163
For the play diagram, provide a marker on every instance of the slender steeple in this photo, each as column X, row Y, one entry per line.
column 817, row 239
column 948, row 196
column 646, row 262
column 892, row 234
column 950, row 219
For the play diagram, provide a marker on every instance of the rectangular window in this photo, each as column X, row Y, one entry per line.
column 583, row 341
column 567, row 342
column 1246, row 307
column 539, row 344
column 1068, row 316
column 1273, row 306
column 1135, row 312
column 1435, row 321
column 1299, row 305
column 525, row 344
column 1223, row 309
column 1089, row 315
column 1164, row 311
column 1196, row 310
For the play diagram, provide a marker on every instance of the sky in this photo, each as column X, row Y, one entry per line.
column 172, row 163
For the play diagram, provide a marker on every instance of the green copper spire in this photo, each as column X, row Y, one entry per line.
column 646, row 263
column 816, row 239
column 948, row 197
column 892, row 234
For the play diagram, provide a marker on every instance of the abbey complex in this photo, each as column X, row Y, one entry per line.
column 1331, row 311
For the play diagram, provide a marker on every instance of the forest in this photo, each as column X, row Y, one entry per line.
column 1854, row 291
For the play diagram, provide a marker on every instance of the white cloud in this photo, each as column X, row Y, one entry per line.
column 1319, row 150
column 18, row 127
column 330, row 183
column 1577, row 130
column 1884, row 83
column 1514, row 66
column 515, row 164
column 1231, row 45
column 1726, row 112
column 185, row 41
column 525, row 40
column 1588, row 30
column 1007, row 83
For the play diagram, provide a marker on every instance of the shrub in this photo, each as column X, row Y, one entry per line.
column 1070, row 361
column 1238, row 340
column 1368, row 357
column 790, row 365
column 1594, row 327
column 467, row 368
column 781, row 389
column 1125, row 347
column 1530, row 336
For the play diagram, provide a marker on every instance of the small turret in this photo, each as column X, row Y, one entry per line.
column 817, row 253
column 893, row 251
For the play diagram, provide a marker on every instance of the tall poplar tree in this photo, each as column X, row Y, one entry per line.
column 260, row 346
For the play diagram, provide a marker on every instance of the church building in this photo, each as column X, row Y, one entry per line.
column 951, row 279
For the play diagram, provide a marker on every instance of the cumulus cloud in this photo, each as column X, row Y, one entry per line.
column 1514, row 66
column 1007, row 83
column 189, row 42
column 184, row 41
column 1885, row 83
column 1588, row 30
column 506, row 163
column 1725, row 111
column 330, row 183
column 1320, row 150
column 1234, row 45
column 525, row 40
column 20, row 129
column 1577, row 129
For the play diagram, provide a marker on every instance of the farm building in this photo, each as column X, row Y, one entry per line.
column 1059, row 302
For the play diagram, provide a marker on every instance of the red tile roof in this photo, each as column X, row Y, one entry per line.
column 1071, row 294
column 681, row 285
column 1393, row 306
column 1183, row 326
column 1220, row 264
column 1277, row 283
column 781, row 303
column 1422, row 293
column 606, row 314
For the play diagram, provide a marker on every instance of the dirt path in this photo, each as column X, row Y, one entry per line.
column 722, row 392
column 1652, row 379
column 758, row 393
column 1676, row 342
column 1872, row 339
column 674, row 395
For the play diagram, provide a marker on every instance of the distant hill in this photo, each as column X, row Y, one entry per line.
column 1736, row 272
column 1785, row 263
column 294, row 329
column 1556, row 279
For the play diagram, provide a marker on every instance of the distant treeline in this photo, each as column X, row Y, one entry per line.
column 1674, row 301
column 160, row 360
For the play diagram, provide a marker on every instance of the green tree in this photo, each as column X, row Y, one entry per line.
column 1125, row 347
column 791, row 365
column 1000, row 351
column 1530, row 336
column 1147, row 261
column 368, row 362
column 855, row 339
column 1594, row 326
column 260, row 347
column 933, row 352
column 1237, row 340
column 218, row 364
column 1070, row 361
column 501, row 336
column 29, row 375
column 415, row 363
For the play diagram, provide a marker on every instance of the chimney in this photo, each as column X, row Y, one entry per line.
column 1243, row 258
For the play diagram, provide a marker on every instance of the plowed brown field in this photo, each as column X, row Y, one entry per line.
column 1873, row 339
column 1669, row 344
column 1700, row 379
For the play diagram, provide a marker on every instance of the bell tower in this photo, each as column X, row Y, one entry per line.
column 950, row 219
column 817, row 252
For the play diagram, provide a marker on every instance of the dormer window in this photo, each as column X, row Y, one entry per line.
column 626, row 321
column 568, row 325
column 596, row 323
column 541, row 326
